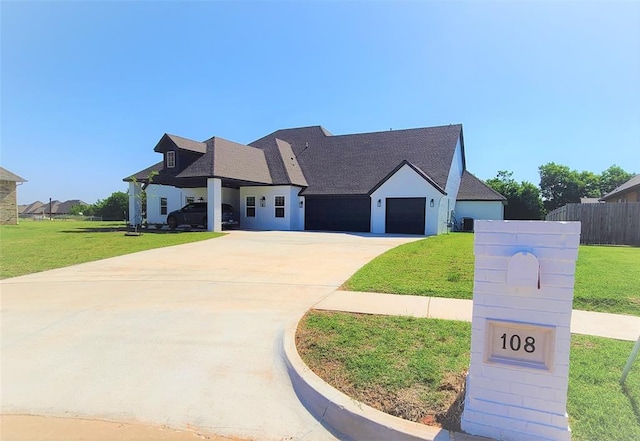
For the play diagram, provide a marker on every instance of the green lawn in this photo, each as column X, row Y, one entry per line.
column 414, row 368
column 37, row 246
column 607, row 278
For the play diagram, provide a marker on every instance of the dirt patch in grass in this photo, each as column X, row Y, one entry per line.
column 438, row 403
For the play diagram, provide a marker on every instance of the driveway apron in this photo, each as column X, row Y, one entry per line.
column 186, row 336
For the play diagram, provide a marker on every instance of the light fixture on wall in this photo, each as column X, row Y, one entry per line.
column 263, row 201
column 301, row 204
column 431, row 203
column 379, row 202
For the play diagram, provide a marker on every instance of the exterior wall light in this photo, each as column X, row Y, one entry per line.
column 263, row 201
column 301, row 204
column 431, row 203
column 379, row 202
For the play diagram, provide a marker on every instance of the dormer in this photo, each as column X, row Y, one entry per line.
column 179, row 152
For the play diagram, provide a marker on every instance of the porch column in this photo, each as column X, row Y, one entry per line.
column 214, row 204
column 135, row 203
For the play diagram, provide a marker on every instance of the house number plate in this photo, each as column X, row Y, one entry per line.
column 519, row 344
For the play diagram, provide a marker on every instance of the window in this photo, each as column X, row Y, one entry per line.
column 163, row 205
column 190, row 200
column 279, row 206
column 251, row 206
column 171, row 159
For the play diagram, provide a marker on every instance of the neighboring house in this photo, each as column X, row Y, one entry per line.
column 8, row 196
column 402, row 181
column 36, row 207
column 57, row 208
column 627, row 192
column 590, row 201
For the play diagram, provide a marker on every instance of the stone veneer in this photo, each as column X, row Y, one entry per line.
column 8, row 204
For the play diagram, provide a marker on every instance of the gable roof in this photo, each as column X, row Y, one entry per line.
column 6, row 175
column 473, row 189
column 167, row 141
column 228, row 159
column 630, row 184
column 33, row 207
column 356, row 163
column 420, row 173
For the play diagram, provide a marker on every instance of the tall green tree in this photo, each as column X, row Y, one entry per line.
column 523, row 199
column 560, row 185
column 115, row 207
column 612, row 178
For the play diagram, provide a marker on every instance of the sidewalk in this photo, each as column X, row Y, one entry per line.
column 617, row 326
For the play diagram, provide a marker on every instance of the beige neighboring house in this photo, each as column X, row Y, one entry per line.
column 8, row 197
column 627, row 192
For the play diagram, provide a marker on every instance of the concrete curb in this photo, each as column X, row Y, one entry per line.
column 346, row 417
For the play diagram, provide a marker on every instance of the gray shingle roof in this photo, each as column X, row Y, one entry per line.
column 325, row 164
column 227, row 159
column 291, row 166
column 633, row 182
column 473, row 189
column 143, row 175
column 34, row 207
column 181, row 143
column 6, row 175
column 355, row 164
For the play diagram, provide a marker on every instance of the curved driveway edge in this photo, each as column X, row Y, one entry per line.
column 348, row 418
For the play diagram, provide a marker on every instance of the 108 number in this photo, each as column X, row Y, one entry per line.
column 515, row 343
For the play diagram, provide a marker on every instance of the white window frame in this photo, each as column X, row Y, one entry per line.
column 164, row 206
column 171, row 159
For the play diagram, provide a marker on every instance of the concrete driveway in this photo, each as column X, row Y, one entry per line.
column 187, row 336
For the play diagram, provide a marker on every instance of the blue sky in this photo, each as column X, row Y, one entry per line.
column 88, row 88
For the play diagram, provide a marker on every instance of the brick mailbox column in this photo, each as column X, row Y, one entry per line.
column 522, row 302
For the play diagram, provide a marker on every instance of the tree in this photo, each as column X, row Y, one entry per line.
column 612, row 178
column 79, row 210
column 523, row 199
column 115, row 207
column 560, row 185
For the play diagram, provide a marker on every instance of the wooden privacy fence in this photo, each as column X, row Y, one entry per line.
column 603, row 224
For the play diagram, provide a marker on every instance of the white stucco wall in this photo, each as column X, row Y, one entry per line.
column 479, row 210
column 265, row 218
column 177, row 198
column 135, row 203
column 455, row 173
column 405, row 183
column 214, row 204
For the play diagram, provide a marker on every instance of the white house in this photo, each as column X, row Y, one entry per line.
column 410, row 181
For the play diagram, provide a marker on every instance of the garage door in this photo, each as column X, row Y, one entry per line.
column 337, row 213
column 405, row 215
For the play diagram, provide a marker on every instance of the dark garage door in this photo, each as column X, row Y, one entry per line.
column 405, row 215
column 338, row 213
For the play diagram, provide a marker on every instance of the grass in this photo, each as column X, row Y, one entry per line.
column 31, row 246
column 407, row 367
column 440, row 266
column 607, row 278
column 413, row 368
